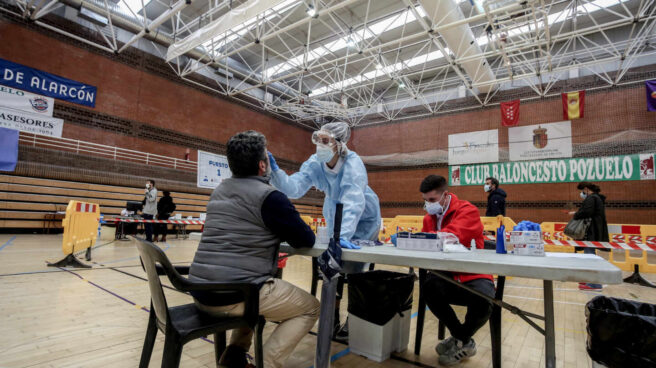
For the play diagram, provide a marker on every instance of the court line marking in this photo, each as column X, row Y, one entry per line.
column 168, row 246
column 79, row 269
column 120, row 297
column 8, row 243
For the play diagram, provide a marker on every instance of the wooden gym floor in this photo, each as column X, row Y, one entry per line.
column 96, row 317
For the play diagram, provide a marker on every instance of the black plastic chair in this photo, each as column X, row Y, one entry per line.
column 185, row 323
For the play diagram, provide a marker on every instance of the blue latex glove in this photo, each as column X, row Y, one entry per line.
column 393, row 237
column 272, row 162
column 347, row 244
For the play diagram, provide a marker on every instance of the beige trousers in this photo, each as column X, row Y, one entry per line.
column 280, row 301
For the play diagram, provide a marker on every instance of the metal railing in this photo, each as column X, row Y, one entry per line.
column 111, row 152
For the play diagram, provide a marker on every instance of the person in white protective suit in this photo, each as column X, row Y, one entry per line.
column 341, row 175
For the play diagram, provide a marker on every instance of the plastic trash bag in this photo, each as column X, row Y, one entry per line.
column 621, row 333
column 366, row 243
column 376, row 296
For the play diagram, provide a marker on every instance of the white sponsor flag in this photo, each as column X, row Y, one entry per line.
column 31, row 123
column 212, row 169
column 540, row 141
column 25, row 101
column 474, row 147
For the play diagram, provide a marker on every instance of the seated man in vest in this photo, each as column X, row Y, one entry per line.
column 247, row 219
column 448, row 214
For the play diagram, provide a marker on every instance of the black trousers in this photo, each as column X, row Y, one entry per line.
column 441, row 294
column 148, row 227
column 161, row 229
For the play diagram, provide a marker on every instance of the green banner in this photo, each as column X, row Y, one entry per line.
column 568, row 170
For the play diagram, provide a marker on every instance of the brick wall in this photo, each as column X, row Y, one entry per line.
column 131, row 94
column 606, row 113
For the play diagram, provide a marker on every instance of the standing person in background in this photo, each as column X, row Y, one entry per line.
column 342, row 176
column 150, row 207
column 496, row 199
column 593, row 208
column 165, row 208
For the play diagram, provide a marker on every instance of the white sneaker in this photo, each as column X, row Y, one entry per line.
column 445, row 345
column 458, row 352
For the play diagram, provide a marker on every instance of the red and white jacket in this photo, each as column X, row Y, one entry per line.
column 463, row 220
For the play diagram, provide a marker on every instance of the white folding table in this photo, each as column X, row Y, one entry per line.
column 553, row 267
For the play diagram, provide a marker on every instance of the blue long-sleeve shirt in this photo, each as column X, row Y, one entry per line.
column 281, row 217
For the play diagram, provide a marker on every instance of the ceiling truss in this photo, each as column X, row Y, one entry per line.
column 373, row 61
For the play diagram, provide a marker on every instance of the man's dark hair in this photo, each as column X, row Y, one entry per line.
column 587, row 184
column 494, row 181
column 167, row 193
column 432, row 182
column 245, row 151
column 152, row 182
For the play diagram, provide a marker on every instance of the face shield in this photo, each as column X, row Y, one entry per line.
column 323, row 138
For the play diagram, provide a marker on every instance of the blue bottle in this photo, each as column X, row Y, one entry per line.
column 501, row 238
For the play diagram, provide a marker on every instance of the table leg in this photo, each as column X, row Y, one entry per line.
column 549, row 332
column 421, row 313
column 326, row 323
column 495, row 324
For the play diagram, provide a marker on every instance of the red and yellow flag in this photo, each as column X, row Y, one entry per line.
column 573, row 105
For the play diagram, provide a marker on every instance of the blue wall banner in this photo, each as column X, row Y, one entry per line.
column 40, row 82
column 8, row 149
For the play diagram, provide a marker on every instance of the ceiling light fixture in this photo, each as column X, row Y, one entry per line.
column 311, row 11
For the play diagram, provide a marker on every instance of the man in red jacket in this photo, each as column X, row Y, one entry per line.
column 448, row 214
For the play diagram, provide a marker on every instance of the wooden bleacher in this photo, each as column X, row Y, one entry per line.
column 27, row 202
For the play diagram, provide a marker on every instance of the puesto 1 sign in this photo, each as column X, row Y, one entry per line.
column 40, row 82
column 212, row 169
column 612, row 168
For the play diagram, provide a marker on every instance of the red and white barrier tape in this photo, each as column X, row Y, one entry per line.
column 176, row 222
column 649, row 246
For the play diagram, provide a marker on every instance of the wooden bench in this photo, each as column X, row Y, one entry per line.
column 27, row 202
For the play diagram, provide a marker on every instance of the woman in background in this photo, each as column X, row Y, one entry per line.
column 593, row 208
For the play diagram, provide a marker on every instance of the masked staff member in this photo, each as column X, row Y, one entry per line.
column 448, row 214
column 341, row 175
column 150, row 207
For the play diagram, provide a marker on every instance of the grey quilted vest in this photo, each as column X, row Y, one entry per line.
column 236, row 246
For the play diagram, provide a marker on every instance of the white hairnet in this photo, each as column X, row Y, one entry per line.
column 341, row 131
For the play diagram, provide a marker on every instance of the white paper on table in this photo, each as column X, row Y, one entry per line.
column 572, row 255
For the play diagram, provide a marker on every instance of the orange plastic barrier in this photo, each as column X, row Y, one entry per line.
column 492, row 223
column 80, row 232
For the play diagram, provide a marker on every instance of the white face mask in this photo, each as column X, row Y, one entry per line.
column 147, row 185
column 583, row 195
column 325, row 154
column 433, row 208
column 486, row 187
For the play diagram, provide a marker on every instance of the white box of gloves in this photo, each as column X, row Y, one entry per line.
column 419, row 241
column 526, row 243
column 323, row 235
column 377, row 342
